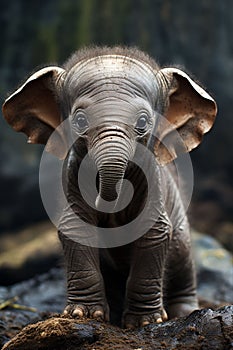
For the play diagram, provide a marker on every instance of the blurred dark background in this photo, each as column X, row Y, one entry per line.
column 196, row 35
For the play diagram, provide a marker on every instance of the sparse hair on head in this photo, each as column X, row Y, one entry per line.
column 95, row 51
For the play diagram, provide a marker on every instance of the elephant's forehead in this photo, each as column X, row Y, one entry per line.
column 112, row 73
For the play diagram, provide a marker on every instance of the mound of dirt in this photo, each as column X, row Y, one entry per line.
column 203, row 329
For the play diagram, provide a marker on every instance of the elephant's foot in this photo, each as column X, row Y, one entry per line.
column 180, row 309
column 133, row 319
column 98, row 312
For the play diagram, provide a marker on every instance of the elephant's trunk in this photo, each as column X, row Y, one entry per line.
column 109, row 187
column 111, row 151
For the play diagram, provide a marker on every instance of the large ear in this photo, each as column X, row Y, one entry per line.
column 190, row 113
column 34, row 109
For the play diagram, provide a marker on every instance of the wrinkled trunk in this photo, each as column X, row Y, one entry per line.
column 111, row 151
column 110, row 182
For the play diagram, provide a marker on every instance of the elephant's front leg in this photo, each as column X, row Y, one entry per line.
column 144, row 299
column 85, row 286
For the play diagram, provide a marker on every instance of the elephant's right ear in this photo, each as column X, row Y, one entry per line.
column 34, row 109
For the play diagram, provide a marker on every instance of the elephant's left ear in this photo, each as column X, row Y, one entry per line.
column 190, row 113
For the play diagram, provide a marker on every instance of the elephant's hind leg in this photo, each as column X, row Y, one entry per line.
column 180, row 277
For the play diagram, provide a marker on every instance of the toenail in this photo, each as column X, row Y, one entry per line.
column 78, row 312
column 97, row 314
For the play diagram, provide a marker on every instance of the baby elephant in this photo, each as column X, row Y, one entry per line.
column 127, row 118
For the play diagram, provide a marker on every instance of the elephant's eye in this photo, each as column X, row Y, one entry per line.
column 81, row 121
column 142, row 123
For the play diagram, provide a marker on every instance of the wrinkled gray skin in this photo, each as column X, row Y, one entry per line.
column 113, row 102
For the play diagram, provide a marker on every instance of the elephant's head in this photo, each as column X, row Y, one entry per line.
column 113, row 98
